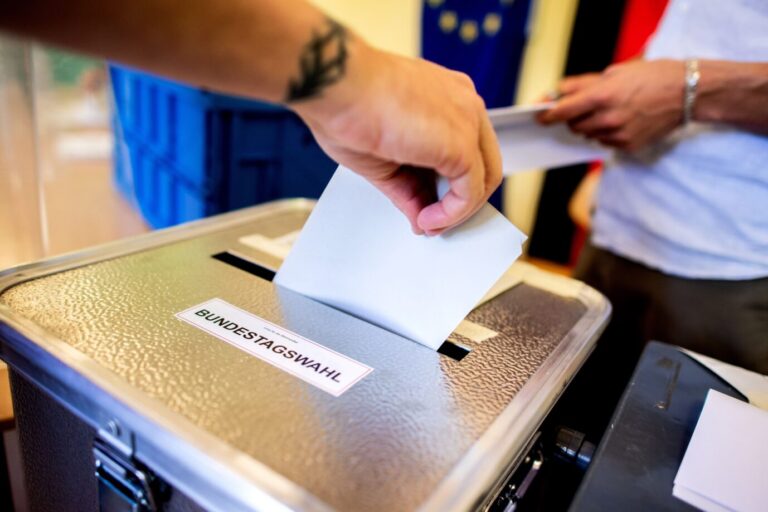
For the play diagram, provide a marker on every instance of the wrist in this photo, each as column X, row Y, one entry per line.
column 720, row 81
column 339, row 96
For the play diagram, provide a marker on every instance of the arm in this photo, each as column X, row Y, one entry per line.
column 637, row 103
column 370, row 110
column 734, row 93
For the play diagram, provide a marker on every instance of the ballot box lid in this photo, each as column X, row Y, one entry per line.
column 99, row 331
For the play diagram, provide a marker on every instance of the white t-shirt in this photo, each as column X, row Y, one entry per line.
column 696, row 204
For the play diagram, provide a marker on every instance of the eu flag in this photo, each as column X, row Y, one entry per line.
column 483, row 38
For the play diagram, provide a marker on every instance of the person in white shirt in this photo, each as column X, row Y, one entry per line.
column 680, row 230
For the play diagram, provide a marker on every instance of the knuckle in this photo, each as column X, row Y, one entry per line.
column 601, row 99
column 613, row 121
column 476, row 194
column 565, row 86
column 456, row 161
column 497, row 171
column 464, row 79
column 470, row 107
column 497, row 176
column 479, row 103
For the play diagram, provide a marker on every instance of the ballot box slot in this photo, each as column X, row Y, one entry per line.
column 238, row 261
column 454, row 350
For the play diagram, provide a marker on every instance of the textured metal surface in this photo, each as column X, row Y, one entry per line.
column 386, row 444
column 56, row 452
column 57, row 456
column 531, row 323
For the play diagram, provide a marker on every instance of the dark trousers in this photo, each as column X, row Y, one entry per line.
column 727, row 320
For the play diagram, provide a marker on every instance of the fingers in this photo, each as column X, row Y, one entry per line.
column 410, row 189
column 469, row 190
column 465, row 196
column 569, row 107
column 489, row 147
column 407, row 123
column 578, row 98
column 597, row 122
column 574, row 84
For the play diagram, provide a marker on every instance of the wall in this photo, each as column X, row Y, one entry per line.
column 543, row 67
column 392, row 25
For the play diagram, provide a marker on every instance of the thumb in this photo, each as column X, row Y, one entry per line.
column 410, row 189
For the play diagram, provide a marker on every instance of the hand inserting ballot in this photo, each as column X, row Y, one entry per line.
column 393, row 119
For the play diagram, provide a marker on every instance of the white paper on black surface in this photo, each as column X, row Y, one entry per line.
column 725, row 467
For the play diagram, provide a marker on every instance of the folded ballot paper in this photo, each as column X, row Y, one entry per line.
column 526, row 145
column 357, row 253
column 725, row 467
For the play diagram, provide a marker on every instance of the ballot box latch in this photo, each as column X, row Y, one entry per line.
column 125, row 485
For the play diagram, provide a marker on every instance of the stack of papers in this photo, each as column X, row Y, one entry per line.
column 357, row 253
column 725, row 467
column 527, row 145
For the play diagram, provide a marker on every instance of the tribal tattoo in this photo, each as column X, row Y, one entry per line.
column 322, row 63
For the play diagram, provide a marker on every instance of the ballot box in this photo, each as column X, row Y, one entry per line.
column 126, row 399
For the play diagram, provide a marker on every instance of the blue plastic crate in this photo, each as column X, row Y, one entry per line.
column 184, row 153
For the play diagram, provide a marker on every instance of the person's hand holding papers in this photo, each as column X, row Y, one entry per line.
column 397, row 121
column 628, row 106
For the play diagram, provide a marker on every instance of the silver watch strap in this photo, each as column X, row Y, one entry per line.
column 692, row 76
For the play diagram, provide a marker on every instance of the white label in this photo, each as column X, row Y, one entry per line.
column 277, row 247
column 311, row 362
column 475, row 332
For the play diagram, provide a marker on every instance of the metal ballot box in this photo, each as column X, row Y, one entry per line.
column 123, row 406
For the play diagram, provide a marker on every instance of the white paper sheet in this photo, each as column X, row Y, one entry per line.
column 752, row 385
column 358, row 254
column 527, row 145
column 726, row 462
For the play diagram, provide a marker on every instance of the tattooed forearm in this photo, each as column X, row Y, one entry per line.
column 322, row 62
